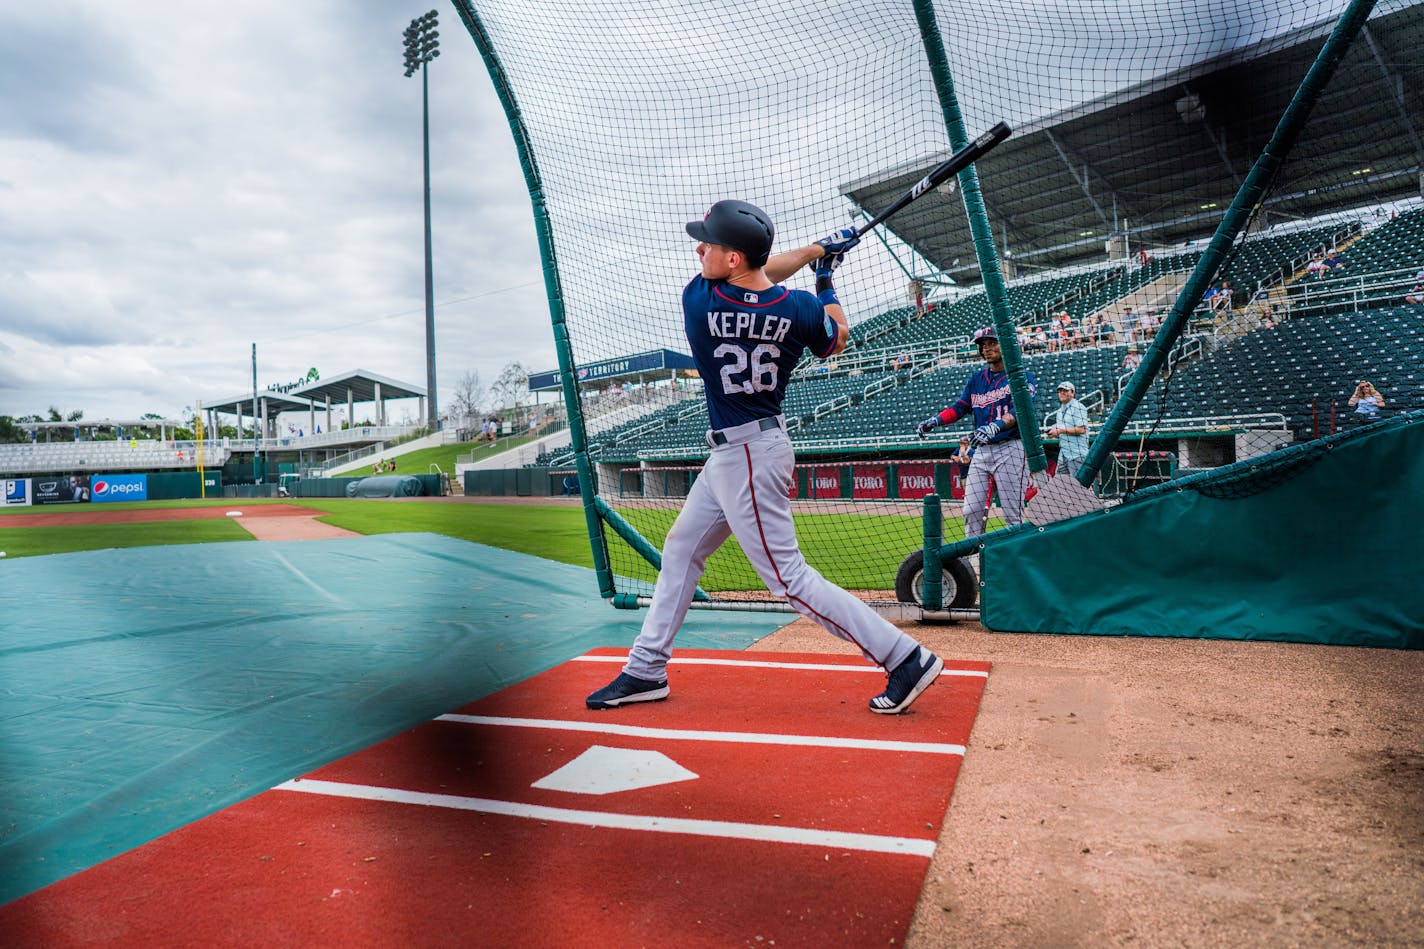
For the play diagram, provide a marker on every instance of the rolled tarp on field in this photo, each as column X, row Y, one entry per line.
column 1315, row 543
column 385, row 486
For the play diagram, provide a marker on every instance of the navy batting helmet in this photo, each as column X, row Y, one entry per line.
column 736, row 224
column 987, row 332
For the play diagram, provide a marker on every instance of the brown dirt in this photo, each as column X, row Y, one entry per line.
column 292, row 528
column 1177, row 792
column 95, row 514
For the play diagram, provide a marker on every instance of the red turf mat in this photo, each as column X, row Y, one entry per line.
column 806, row 821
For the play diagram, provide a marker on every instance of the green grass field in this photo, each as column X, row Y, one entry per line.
column 34, row 541
column 420, row 460
column 554, row 532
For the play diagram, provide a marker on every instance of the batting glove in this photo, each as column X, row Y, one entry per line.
column 827, row 265
column 924, row 427
column 841, row 241
column 984, row 434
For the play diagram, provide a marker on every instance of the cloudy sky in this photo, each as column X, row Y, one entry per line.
column 180, row 181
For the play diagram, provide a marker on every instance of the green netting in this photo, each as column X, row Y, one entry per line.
column 1136, row 125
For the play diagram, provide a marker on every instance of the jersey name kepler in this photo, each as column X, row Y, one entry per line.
column 748, row 326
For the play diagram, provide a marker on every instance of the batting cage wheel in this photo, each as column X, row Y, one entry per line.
column 961, row 584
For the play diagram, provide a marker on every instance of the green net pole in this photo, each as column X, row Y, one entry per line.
column 983, row 234
column 1247, row 198
column 553, row 290
column 931, row 567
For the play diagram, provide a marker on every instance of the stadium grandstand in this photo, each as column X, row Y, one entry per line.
column 302, row 430
column 1104, row 232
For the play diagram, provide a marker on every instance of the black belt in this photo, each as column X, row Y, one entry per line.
column 767, row 423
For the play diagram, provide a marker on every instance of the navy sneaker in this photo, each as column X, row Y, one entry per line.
column 907, row 681
column 625, row 689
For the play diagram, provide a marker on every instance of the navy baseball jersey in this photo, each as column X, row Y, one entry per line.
column 987, row 395
column 746, row 342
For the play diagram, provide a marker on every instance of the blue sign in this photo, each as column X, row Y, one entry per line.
column 122, row 487
column 17, row 491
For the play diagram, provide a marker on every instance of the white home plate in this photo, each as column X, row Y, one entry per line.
column 234, row 513
column 601, row 770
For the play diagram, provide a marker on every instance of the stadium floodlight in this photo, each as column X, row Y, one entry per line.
column 422, row 44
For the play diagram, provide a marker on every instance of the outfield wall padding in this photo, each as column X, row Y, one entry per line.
column 1325, row 551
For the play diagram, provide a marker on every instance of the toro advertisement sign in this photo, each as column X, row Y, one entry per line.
column 124, row 487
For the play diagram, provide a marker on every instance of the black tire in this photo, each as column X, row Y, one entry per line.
column 961, row 585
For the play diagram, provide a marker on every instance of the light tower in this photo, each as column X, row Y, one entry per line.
column 421, row 46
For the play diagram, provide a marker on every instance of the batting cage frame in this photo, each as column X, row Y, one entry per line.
column 939, row 574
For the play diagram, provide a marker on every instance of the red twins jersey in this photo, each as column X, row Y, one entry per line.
column 987, row 395
column 746, row 342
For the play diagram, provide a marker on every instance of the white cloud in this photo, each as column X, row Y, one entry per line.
column 181, row 182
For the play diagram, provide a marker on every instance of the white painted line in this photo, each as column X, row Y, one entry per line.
column 816, row 666
column 678, row 734
column 832, row 839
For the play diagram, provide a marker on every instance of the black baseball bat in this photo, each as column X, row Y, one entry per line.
column 952, row 165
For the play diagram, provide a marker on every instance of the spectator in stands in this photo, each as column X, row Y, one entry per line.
column 1131, row 360
column 1268, row 319
column 1071, row 429
column 376, row 468
column 1223, row 297
column 1416, row 295
column 1331, row 263
column 1148, row 325
column 1366, row 401
column 1209, row 298
column 1129, row 324
column 964, row 455
column 1316, row 267
column 391, row 466
column 1103, row 331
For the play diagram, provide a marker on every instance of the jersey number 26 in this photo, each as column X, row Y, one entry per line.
column 736, row 376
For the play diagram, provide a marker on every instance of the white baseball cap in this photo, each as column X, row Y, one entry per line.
column 1067, row 385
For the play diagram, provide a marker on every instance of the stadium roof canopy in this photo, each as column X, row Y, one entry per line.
column 358, row 385
column 1060, row 187
column 276, row 402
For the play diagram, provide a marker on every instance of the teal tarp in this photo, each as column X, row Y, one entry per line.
column 141, row 689
column 1327, row 555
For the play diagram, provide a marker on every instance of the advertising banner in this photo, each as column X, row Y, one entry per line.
column 916, row 480
column 869, row 481
column 957, row 474
column 17, row 491
column 71, row 490
column 825, row 483
column 124, row 487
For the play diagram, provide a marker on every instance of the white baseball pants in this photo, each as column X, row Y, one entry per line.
column 1008, row 465
column 744, row 489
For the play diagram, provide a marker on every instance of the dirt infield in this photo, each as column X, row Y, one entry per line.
column 97, row 515
column 263, row 521
column 1177, row 792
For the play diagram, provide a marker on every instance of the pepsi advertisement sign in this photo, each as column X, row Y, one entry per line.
column 17, row 491
column 119, row 488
